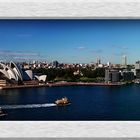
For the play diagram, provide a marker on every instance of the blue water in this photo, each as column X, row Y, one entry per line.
column 87, row 103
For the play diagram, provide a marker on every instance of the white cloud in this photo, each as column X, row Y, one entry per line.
column 81, row 48
column 9, row 54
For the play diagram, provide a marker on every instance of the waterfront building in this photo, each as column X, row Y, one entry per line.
column 137, row 65
column 137, row 69
column 128, row 75
column 107, row 76
column 137, row 73
column 112, row 76
column 115, row 76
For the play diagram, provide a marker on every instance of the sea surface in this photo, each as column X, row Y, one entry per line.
column 87, row 103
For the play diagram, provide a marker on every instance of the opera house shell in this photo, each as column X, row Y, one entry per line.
column 28, row 75
column 42, row 78
column 17, row 70
column 8, row 72
column 14, row 72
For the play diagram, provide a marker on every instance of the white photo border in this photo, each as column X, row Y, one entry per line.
column 69, row 9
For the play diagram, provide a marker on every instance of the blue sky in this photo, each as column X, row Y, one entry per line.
column 70, row 41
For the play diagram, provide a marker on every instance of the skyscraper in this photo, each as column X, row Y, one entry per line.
column 98, row 61
column 55, row 64
column 124, row 61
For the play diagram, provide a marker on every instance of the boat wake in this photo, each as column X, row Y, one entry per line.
column 27, row 106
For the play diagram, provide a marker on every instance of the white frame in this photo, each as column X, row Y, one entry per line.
column 71, row 9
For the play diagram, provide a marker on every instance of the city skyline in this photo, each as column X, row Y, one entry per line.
column 70, row 41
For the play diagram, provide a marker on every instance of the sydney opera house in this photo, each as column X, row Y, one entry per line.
column 14, row 73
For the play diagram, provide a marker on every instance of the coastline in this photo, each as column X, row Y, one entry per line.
column 63, row 84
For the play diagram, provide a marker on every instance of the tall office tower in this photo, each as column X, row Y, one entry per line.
column 109, row 64
column 55, row 64
column 124, row 61
column 98, row 61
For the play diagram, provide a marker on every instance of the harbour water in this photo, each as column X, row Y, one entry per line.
column 87, row 103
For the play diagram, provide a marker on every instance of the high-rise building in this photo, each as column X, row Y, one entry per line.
column 98, row 61
column 55, row 64
column 109, row 64
column 124, row 61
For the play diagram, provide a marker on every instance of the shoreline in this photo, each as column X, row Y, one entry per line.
column 63, row 84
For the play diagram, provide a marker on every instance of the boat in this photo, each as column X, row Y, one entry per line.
column 62, row 102
column 2, row 113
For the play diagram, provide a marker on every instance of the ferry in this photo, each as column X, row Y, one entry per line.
column 62, row 102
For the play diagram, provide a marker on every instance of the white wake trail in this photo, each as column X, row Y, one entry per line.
column 27, row 106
